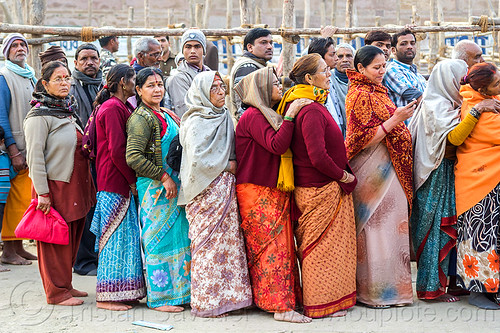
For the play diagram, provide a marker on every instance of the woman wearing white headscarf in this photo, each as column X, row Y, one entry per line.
column 436, row 132
column 219, row 273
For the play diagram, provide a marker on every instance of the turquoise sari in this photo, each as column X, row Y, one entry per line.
column 164, row 236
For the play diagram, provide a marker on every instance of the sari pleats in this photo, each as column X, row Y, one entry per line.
column 326, row 240
column 266, row 224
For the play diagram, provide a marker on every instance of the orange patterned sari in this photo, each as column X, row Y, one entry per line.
column 266, row 224
column 326, row 241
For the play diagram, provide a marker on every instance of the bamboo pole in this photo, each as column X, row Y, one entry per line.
column 208, row 6
column 288, row 48
column 334, row 13
column 348, row 19
column 90, row 14
column 130, row 22
column 108, row 31
column 146, row 13
column 229, row 45
column 307, row 17
column 192, row 13
column 433, row 39
column 36, row 17
column 258, row 15
column 199, row 15
column 441, row 36
column 398, row 12
column 415, row 19
column 244, row 13
column 322, row 12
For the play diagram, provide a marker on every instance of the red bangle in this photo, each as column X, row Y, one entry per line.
column 383, row 129
column 44, row 195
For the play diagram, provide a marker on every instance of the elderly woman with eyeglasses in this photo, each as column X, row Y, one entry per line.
column 61, row 177
column 219, row 272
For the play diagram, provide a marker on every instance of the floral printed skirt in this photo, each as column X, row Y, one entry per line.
column 477, row 245
column 219, row 272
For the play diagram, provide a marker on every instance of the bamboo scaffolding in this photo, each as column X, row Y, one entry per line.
column 109, row 31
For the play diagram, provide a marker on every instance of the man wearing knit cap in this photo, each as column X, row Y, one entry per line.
column 17, row 82
column 53, row 53
column 194, row 46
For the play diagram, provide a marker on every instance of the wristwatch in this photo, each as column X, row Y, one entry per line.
column 475, row 113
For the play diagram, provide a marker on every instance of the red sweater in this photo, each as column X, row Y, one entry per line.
column 319, row 154
column 113, row 173
column 259, row 147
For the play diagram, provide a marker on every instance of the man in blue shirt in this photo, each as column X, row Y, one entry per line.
column 402, row 78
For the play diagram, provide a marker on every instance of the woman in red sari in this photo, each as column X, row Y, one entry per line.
column 262, row 136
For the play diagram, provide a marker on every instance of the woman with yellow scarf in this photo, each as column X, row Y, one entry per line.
column 326, row 233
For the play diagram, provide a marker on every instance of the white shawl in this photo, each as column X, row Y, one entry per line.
column 435, row 117
column 207, row 138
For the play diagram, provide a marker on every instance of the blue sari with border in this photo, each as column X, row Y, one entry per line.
column 164, row 236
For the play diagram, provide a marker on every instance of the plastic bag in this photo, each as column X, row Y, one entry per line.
column 50, row 228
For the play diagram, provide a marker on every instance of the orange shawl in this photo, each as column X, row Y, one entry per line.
column 477, row 171
column 367, row 106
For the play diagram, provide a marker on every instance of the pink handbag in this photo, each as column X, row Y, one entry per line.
column 50, row 228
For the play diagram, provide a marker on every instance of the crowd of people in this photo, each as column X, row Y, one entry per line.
column 302, row 202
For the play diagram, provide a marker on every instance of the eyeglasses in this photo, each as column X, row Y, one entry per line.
column 215, row 88
column 154, row 55
column 61, row 80
column 327, row 70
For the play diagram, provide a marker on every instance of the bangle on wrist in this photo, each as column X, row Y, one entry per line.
column 475, row 113
column 288, row 118
column 16, row 155
column 383, row 129
column 164, row 177
column 345, row 177
column 46, row 195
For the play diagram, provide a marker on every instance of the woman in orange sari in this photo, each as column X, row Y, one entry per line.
column 477, row 191
column 380, row 151
column 262, row 136
column 326, row 235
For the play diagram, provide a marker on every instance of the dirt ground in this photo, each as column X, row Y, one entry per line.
column 23, row 309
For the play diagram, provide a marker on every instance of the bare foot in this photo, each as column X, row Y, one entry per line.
column 78, row 293
column 292, row 317
column 447, row 298
column 26, row 255
column 341, row 313
column 71, row 302
column 113, row 306
column 4, row 269
column 14, row 259
column 169, row 308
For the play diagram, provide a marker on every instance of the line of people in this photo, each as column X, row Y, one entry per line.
column 310, row 201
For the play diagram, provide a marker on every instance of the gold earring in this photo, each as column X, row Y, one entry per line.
column 124, row 87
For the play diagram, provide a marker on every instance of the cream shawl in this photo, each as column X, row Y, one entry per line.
column 207, row 138
column 435, row 117
column 256, row 90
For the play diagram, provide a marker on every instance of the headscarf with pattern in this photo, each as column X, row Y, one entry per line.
column 367, row 106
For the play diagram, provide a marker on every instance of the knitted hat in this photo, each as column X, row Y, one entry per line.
column 7, row 42
column 52, row 53
column 196, row 35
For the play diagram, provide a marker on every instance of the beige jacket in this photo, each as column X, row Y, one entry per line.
column 50, row 149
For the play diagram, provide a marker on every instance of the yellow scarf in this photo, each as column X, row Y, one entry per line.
column 285, row 176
